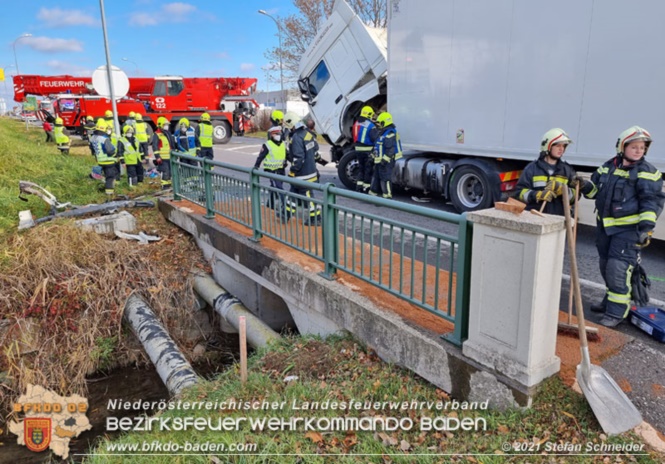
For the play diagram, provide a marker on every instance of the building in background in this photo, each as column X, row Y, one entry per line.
column 272, row 100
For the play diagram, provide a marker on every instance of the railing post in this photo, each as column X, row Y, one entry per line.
column 210, row 194
column 330, row 233
column 255, row 193
column 462, row 290
column 175, row 175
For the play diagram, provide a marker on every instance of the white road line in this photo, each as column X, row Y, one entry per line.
column 253, row 147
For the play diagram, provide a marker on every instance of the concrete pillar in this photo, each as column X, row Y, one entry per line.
column 515, row 289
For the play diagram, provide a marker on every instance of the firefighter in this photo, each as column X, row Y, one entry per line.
column 365, row 134
column 387, row 150
column 108, row 117
column 276, row 119
column 185, row 138
column 543, row 180
column 130, row 121
column 142, row 136
column 302, row 153
column 629, row 198
column 162, row 144
column 204, row 137
column 311, row 126
column 273, row 157
column 61, row 138
column 105, row 153
column 128, row 150
column 89, row 128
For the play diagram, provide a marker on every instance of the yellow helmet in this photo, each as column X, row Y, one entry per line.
column 385, row 119
column 277, row 116
column 58, row 121
column 367, row 112
column 132, row 114
column 108, row 114
column 101, row 125
column 184, row 121
column 553, row 137
column 127, row 128
column 89, row 118
column 205, row 117
column 139, row 117
column 291, row 119
column 633, row 134
column 161, row 121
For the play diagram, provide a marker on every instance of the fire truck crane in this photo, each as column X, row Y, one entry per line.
column 174, row 97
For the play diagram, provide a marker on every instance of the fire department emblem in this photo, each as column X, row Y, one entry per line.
column 37, row 433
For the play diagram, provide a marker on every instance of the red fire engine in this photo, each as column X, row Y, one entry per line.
column 173, row 97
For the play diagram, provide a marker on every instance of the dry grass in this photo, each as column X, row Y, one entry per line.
column 62, row 292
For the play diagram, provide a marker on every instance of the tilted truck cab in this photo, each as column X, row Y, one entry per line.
column 473, row 85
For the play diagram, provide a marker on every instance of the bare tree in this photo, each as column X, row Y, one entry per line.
column 298, row 30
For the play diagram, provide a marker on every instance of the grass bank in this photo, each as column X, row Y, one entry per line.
column 342, row 389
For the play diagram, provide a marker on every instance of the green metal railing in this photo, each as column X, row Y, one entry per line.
column 425, row 267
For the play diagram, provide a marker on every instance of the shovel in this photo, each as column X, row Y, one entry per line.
column 614, row 411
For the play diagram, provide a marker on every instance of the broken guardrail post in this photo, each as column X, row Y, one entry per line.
column 172, row 367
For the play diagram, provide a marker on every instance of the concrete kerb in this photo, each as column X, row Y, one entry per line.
column 310, row 297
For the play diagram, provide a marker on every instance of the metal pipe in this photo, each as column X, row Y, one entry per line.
column 231, row 309
column 172, row 367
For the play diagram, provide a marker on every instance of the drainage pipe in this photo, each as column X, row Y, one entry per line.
column 174, row 370
column 230, row 308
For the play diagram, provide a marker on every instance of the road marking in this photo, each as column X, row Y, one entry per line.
column 253, row 147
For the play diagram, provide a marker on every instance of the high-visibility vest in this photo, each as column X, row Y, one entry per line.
column 60, row 137
column 205, row 135
column 164, row 146
column 130, row 153
column 98, row 146
column 276, row 156
column 361, row 135
column 141, row 132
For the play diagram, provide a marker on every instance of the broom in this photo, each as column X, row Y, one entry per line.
column 570, row 328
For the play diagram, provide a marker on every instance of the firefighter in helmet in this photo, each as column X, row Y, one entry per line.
column 108, row 117
column 273, row 158
column 629, row 198
column 365, row 134
column 162, row 144
column 61, row 137
column 128, row 150
column 203, row 137
column 142, row 136
column 544, row 179
column 387, row 150
column 105, row 153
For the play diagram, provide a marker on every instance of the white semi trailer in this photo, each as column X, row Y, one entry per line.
column 472, row 85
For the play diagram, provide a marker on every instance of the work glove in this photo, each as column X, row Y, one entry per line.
column 555, row 187
column 545, row 195
column 645, row 239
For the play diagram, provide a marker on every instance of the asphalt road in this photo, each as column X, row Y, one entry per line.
column 243, row 151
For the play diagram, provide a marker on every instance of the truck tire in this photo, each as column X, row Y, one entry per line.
column 470, row 189
column 221, row 132
column 347, row 169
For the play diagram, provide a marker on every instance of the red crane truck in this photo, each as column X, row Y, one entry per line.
column 173, row 97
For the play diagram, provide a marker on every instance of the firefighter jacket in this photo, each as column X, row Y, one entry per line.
column 302, row 152
column 535, row 177
column 364, row 134
column 103, row 148
column 204, row 134
column 388, row 147
column 628, row 199
column 272, row 155
column 141, row 131
column 60, row 136
column 127, row 149
column 89, row 129
column 186, row 141
column 162, row 144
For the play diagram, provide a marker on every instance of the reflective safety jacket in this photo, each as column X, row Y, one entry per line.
column 535, row 177
column 388, row 147
column 60, row 137
column 303, row 151
column 204, row 134
column 128, row 151
column 141, row 131
column 272, row 155
column 186, row 141
column 162, row 144
column 628, row 198
column 364, row 134
column 103, row 148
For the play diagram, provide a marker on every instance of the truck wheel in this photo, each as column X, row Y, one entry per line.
column 347, row 170
column 221, row 132
column 470, row 189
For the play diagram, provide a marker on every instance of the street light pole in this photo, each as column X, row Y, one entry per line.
column 17, row 71
column 281, row 75
column 116, row 123
column 7, row 91
column 136, row 71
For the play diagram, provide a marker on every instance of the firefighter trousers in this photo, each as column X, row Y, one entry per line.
column 314, row 213
column 618, row 256
column 381, row 181
column 165, row 170
column 365, row 169
column 110, row 173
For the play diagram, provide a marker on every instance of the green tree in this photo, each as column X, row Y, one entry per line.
column 298, row 30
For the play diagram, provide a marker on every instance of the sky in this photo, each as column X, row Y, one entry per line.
column 193, row 38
